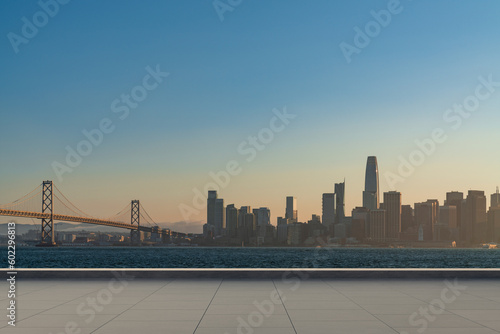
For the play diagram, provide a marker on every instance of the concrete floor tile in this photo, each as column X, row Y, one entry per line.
column 161, row 315
column 342, row 327
column 256, row 320
column 330, row 315
column 134, row 327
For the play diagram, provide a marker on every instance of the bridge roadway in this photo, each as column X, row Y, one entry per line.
column 75, row 219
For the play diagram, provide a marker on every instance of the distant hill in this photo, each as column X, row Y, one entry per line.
column 20, row 228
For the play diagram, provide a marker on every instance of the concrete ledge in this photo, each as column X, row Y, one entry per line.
column 265, row 273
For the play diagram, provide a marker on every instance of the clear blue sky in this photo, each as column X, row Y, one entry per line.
column 225, row 79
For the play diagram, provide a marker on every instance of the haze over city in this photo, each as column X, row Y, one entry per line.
column 224, row 81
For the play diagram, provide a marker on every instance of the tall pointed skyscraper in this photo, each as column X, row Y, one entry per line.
column 371, row 197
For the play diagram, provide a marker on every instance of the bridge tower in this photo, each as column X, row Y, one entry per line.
column 135, row 218
column 48, row 239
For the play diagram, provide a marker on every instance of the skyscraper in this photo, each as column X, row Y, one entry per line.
column 231, row 221
column 215, row 213
column 494, row 224
column 263, row 219
column 220, row 223
column 448, row 216
column 282, row 229
column 435, row 213
column 339, row 202
column 377, row 225
column 212, row 197
column 241, row 216
column 475, row 216
column 291, row 209
column 328, row 215
column 371, row 197
column 406, row 217
column 453, row 197
column 263, row 216
column 425, row 219
column 495, row 200
column 456, row 198
column 392, row 204
column 360, row 225
column 248, row 229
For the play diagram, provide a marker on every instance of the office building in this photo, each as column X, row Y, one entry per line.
column 248, row 230
column 446, row 226
column 291, row 209
column 407, row 221
column 360, row 223
column 425, row 219
column 231, row 221
column 377, row 225
column 215, row 214
column 360, row 219
column 448, row 216
column 220, row 222
column 456, row 199
column 282, row 229
column 392, row 205
column 476, row 218
column 435, row 208
column 328, row 214
column 495, row 200
column 296, row 234
column 371, row 193
column 263, row 219
column 241, row 215
column 494, row 224
column 212, row 197
column 339, row 202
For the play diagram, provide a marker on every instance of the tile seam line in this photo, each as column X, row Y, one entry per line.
column 284, row 306
column 117, row 315
column 210, row 303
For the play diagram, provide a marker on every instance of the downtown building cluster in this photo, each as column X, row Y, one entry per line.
column 463, row 219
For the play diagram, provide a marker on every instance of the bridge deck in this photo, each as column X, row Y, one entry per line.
column 75, row 219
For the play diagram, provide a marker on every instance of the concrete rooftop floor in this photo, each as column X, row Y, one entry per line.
column 305, row 306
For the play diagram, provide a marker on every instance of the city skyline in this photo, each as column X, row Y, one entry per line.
column 463, row 218
column 218, row 83
column 491, row 199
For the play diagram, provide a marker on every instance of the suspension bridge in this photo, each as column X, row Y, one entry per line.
column 47, row 203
